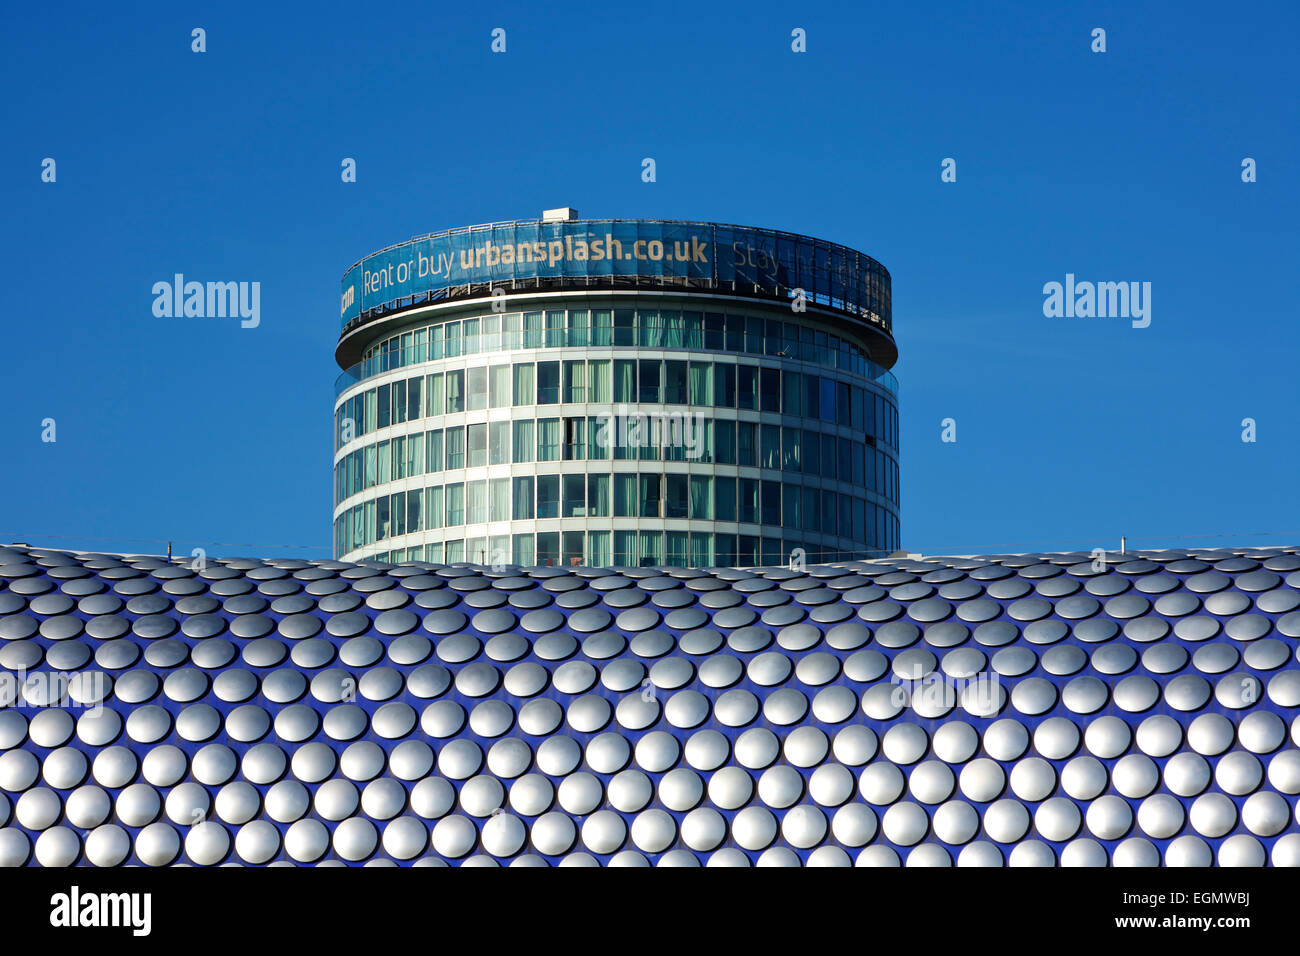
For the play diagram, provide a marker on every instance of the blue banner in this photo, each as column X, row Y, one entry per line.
column 712, row 255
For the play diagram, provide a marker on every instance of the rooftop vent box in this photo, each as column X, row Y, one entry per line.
column 563, row 214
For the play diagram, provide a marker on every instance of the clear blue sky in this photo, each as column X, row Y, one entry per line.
column 225, row 165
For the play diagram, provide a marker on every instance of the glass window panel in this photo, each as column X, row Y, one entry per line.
column 469, row 336
column 523, row 450
column 648, row 372
column 600, row 433
column 476, row 439
column 812, row 453
column 455, row 391
column 625, row 502
column 792, row 397
column 398, row 449
column 771, row 452
column 650, row 494
column 747, row 443
column 811, row 510
column 694, row 330
column 523, row 498
column 649, row 329
column 724, row 385
column 476, row 494
column 748, row 500
column 524, row 389
column 791, row 440
column 548, row 548
column 499, row 505
column 724, row 442
column 433, row 451
column 499, row 386
column 434, row 394
column 578, row 328
column 753, row 335
column 747, row 387
column 624, row 381
column 575, row 439
column 701, row 549
column 600, row 327
column 548, row 439
column 702, row 497
column 624, row 549
column 598, row 374
column 829, row 511
column 598, row 495
column 675, row 548
column 572, row 551
column 652, row 549
column 455, row 495
column 532, row 330
column 555, row 329
column 385, row 463
column 701, row 383
column 548, row 383
column 791, row 508
column 674, row 382
column 676, row 500
column 827, row 399
column 598, row 552
column 413, row 397
column 548, row 496
column 476, row 387
column 574, row 496
column 714, row 332
column 770, row 384
column 383, row 525
column 499, row 443
column 455, row 447
column 575, row 381
column 770, row 503
column 724, row 498
column 385, row 409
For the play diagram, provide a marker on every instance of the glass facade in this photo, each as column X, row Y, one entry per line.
column 616, row 436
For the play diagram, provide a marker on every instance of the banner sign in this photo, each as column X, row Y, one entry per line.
column 718, row 255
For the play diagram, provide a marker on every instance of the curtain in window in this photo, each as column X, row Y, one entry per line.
column 652, row 549
column 433, row 451
column 624, row 380
column 523, row 498
column 650, row 496
column 476, row 502
column 676, row 549
column 455, row 495
column 624, row 548
column 532, row 330
column 625, row 496
column 455, row 448
column 600, row 326
column 522, row 549
column 525, row 390
column 523, row 451
column 701, row 550
column 548, row 439
column 598, row 495
column 600, row 435
column 598, row 553
column 455, row 391
column 650, row 328
column 598, row 375
column 674, row 330
column 701, row 496
column 433, row 506
column 701, row 383
column 385, row 462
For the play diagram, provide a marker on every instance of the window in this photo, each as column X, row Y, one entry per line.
column 523, row 498
column 792, row 440
column 792, row 394
column 434, row 394
column 714, row 332
column 499, row 386
column 548, row 439
column 811, row 510
column 385, row 410
column 498, row 443
column 771, row 452
column 724, row 498
column 455, row 391
column 792, row 505
column 624, row 327
column 413, row 390
column 532, row 330
column 625, row 495
column 753, row 335
column 652, row 549
column 382, row 523
column 770, row 503
column 701, row 383
column 676, row 547
column 455, row 495
column 433, row 506
column 398, row 449
column 578, row 328
column 770, row 387
column 811, row 453
column 469, row 337
column 675, row 496
column 525, row 392
column 598, row 553
column 476, row 438
column 523, row 451
column 724, row 442
column 555, row 329
column 600, row 327
column 575, row 381
column 499, row 503
column 477, row 388
column 433, row 451
column 385, row 463
column 455, row 448
column 571, row 549
column 598, row 374
column 724, row 385
column 702, row 497
column 674, row 382
column 575, row 439
column 600, row 435
column 701, row 549
column 522, row 549
column 747, row 387
column 574, row 501
column 649, row 496
column 548, row 383
column 746, row 443
column 624, row 546
column 476, row 494
column 548, row 496
column 598, row 496
column 624, row 381
column 649, row 374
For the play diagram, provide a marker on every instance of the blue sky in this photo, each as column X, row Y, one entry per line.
column 1123, row 165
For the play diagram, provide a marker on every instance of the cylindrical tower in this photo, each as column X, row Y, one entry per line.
column 615, row 392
